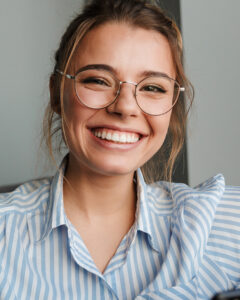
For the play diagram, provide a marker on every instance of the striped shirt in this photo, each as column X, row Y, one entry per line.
column 184, row 244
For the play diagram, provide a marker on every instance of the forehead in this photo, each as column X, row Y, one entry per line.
column 127, row 49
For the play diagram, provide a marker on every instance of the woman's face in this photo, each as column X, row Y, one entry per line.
column 130, row 52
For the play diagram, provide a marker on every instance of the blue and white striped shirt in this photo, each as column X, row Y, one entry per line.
column 184, row 244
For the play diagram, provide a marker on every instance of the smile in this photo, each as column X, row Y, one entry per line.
column 116, row 136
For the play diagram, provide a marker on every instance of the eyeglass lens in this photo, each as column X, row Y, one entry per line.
column 98, row 88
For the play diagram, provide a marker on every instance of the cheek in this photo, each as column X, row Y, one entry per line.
column 75, row 117
column 159, row 128
column 160, row 125
column 74, row 112
column 70, row 102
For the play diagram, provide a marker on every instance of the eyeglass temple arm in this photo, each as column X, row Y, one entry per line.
column 67, row 75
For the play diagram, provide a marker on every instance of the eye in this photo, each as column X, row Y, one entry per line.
column 153, row 88
column 94, row 80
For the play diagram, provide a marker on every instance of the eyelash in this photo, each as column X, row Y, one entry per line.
column 156, row 89
column 95, row 81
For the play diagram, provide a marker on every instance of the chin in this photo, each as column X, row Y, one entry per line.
column 116, row 169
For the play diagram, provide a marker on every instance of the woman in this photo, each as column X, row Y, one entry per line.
column 97, row 230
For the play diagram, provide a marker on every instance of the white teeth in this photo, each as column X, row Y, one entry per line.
column 108, row 137
column 115, row 137
column 118, row 137
column 104, row 134
column 123, row 138
column 129, row 138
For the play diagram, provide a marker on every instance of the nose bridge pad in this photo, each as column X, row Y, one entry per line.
column 119, row 91
column 129, row 82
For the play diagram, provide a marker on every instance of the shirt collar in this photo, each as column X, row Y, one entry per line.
column 55, row 215
column 142, row 211
column 146, row 212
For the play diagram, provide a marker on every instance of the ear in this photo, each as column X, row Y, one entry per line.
column 54, row 95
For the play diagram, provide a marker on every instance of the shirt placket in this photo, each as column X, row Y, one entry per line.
column 83, row 258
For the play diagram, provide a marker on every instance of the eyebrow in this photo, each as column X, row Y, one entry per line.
column 98, row 67
column 147, row 73
column 150, row 73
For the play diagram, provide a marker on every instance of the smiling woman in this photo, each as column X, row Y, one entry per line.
column 96, row 230
column 122, row 113
column 99, row 56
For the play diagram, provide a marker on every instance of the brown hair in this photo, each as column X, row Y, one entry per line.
column 139, row 13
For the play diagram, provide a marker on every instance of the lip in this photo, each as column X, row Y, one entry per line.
column 109, row 145
column 121, row 129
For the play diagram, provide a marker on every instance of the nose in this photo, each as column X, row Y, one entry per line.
column 125, row 103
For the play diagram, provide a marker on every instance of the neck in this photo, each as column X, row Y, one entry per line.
column 95, row 195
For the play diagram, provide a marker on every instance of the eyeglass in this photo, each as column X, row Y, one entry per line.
column 98, row 88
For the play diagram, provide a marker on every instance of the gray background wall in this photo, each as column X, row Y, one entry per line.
column 212, row 54
column 29, row 33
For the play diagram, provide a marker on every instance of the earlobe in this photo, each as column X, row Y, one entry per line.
column 54, row 95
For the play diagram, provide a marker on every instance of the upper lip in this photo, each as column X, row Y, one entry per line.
column 123, row 129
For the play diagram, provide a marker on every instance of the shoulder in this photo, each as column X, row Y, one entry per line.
column 228, row 211
column 206, row 219
column 227, row 219
column 26, row 198
column 222, row 253
column 231, row 196
column 192, row 210
column 209, row 192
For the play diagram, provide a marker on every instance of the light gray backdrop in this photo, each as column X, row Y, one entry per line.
column 29, row 34
column 212, row 52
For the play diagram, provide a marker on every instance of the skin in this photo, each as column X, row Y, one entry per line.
column 100, row 199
